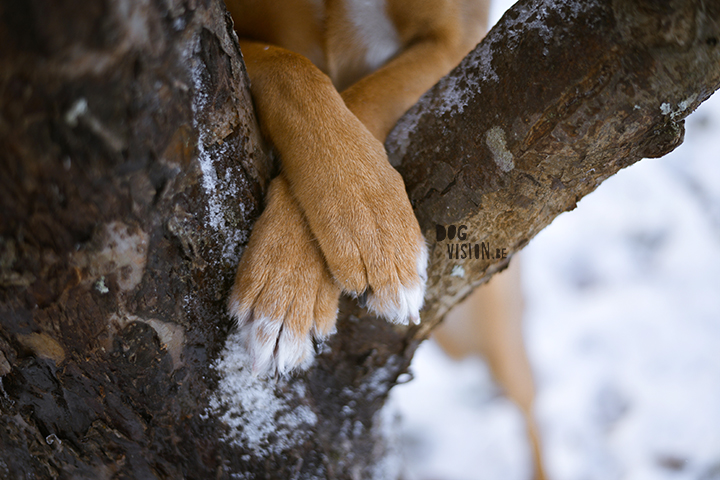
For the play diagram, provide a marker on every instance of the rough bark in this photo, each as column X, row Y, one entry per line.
column 558, row 97
column 131, row 170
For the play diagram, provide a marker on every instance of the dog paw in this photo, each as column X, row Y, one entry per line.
column 400, row 299
column 283, row 296
column 360, row 213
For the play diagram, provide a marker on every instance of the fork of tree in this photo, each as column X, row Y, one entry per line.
column 132, row 169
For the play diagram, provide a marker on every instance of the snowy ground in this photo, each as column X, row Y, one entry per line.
column 623, row 331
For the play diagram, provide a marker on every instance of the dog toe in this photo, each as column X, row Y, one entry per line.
column 400, row 299
column 284, row 295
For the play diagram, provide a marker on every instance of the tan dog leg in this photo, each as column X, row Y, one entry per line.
column 336, row 166
column 379, row 99
column 281, row 305
column 354, row 201
column 440, row 35
column 489, row 323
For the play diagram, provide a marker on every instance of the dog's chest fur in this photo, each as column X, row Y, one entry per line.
column 359, row 40
column 347, row 39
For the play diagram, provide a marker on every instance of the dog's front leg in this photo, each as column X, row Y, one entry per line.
column 353, row 200
column 381, row 98
column 283, row 295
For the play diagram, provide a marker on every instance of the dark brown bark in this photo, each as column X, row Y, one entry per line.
column 568, row 93
column 131, row 170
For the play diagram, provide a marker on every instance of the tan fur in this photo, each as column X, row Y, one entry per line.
column 489, row 324
column 298, row 291
column 298, row 53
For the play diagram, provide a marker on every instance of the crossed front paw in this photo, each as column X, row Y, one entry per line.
column 365, row 226
column 362, row 239
column 284, row 296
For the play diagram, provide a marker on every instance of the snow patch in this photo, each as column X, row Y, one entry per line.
column 221, row 189
column 685, row 104
column 529, row 19
column 100, row 286
column 403, row 130
column 386, row 429
column 77, row 110
column 455, row 425
column 259, row 412
column 458, row 271
column 455, row 93
column 458, row 90
column 379, row 381
column 667, row 108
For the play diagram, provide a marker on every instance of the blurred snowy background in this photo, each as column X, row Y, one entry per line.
column 622, row 328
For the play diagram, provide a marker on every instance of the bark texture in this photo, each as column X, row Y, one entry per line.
column 131, row 170
column 558, row 97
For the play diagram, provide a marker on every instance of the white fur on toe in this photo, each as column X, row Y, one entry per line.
column 273, row 348
column 239, row 311
column 260, row 337
column 402, row 305
column 293, row 351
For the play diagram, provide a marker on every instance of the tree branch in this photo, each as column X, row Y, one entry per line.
column 557, row 98
column 131, row 172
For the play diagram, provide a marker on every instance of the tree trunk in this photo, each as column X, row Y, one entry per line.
column 131, row 170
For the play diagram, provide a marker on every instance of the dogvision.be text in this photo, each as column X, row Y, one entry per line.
column 461, row 250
